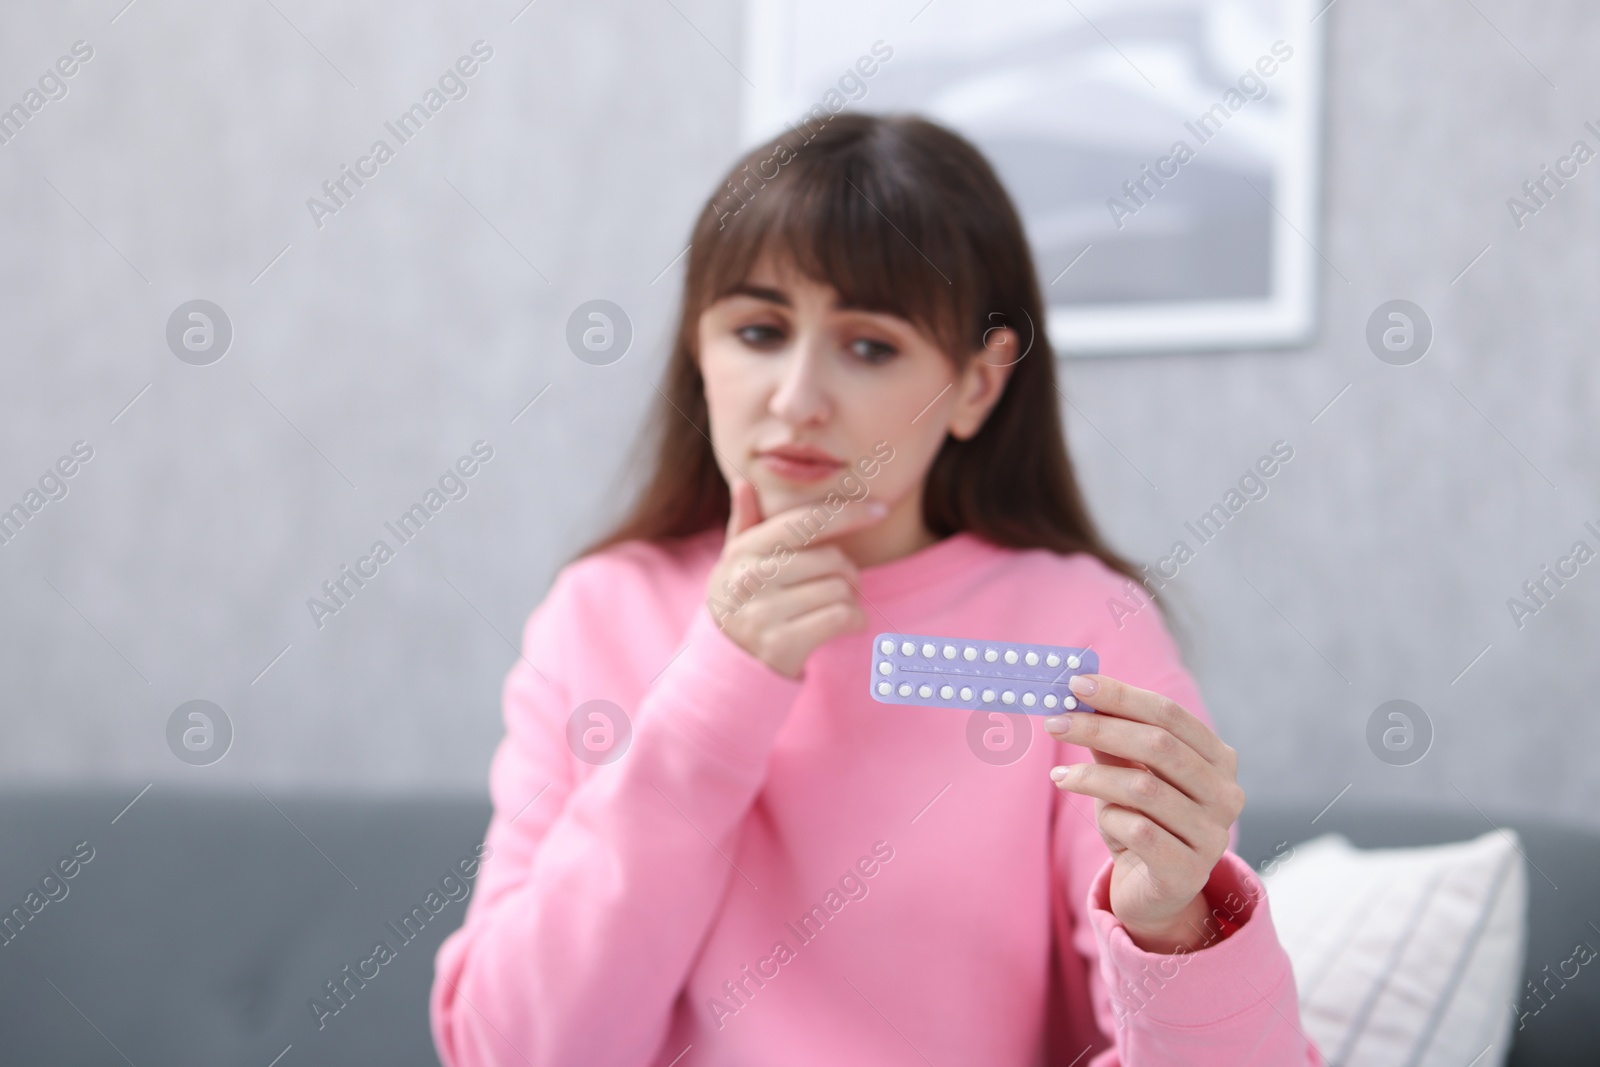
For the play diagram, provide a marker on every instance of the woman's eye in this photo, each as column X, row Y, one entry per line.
column 760, row 335
column 872, row 351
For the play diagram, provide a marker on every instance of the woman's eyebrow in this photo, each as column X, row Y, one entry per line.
column 775, row 296
column 772, row 296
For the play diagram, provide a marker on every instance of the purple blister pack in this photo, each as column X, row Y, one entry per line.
column 950, row 672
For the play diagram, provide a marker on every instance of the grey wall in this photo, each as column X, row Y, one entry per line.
column 427, row 313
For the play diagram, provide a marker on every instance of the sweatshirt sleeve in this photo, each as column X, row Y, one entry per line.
column 1231, row 1002
column 596, row 893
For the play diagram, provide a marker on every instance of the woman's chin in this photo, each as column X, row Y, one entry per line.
column 776, row 499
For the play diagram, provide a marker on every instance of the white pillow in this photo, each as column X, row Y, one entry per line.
column 1404, row 956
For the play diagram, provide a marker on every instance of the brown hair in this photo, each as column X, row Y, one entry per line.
column 904, row 216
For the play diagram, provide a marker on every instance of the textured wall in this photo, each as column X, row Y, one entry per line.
column 426, row 313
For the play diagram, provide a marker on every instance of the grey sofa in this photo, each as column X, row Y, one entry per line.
column 204, row 925
column 1563, row 901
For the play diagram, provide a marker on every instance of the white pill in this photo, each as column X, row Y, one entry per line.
column 947, row 691
column 970, row 654
column 1049, row 700
column 1073, row 662
column 1011, row 655
column 1052, row 660
column 885, row 688
column 966, row 692
column 1031, row 659
column 907, row 648
column 885, row 667
column 927, row 650
column 988, row 695
column 990, row 655
column 1069, row 702
column 1029, row 699
column 886, row 647
column 949, row 651
column 1008, row 697
column 905, row 689
column 926, row 691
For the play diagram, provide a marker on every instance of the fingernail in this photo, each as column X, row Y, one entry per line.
column 1058, row 724
column 877, row 507
column 1083, row 685
column 1057, row 773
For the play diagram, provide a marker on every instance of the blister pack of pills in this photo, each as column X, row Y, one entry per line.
column 948, row 672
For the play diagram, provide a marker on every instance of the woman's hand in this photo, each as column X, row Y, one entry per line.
column 778, row 600
column 1165, row 796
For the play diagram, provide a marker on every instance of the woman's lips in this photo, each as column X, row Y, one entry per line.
column 799, row 470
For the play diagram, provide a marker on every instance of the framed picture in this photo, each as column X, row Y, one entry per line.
column 1163, row 153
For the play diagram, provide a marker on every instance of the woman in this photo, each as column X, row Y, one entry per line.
column 710, row 844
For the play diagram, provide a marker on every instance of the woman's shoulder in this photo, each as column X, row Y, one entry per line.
column 1078, row 573
column 1114, row 608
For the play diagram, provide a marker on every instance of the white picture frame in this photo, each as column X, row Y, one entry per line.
column 1066, row 97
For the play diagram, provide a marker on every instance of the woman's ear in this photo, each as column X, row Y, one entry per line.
column 980, row 384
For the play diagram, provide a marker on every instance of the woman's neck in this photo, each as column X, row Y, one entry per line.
column 897, row 534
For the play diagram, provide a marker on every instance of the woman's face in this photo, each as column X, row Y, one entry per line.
column 806, row 398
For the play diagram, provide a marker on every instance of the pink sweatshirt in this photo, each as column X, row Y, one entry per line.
column 786, row 872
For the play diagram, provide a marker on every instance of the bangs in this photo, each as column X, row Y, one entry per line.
column 848, row 217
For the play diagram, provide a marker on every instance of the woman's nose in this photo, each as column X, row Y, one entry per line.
column 802, row 392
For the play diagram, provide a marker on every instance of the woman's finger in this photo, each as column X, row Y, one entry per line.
column 1139, row 834
column 1107, row 694
column 822, row 624
column 818, row 523
column 1153, row 746
column 744, row 508
column 749, row 580
column 796, row 600
column 1141, row 791
column 815, row 563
